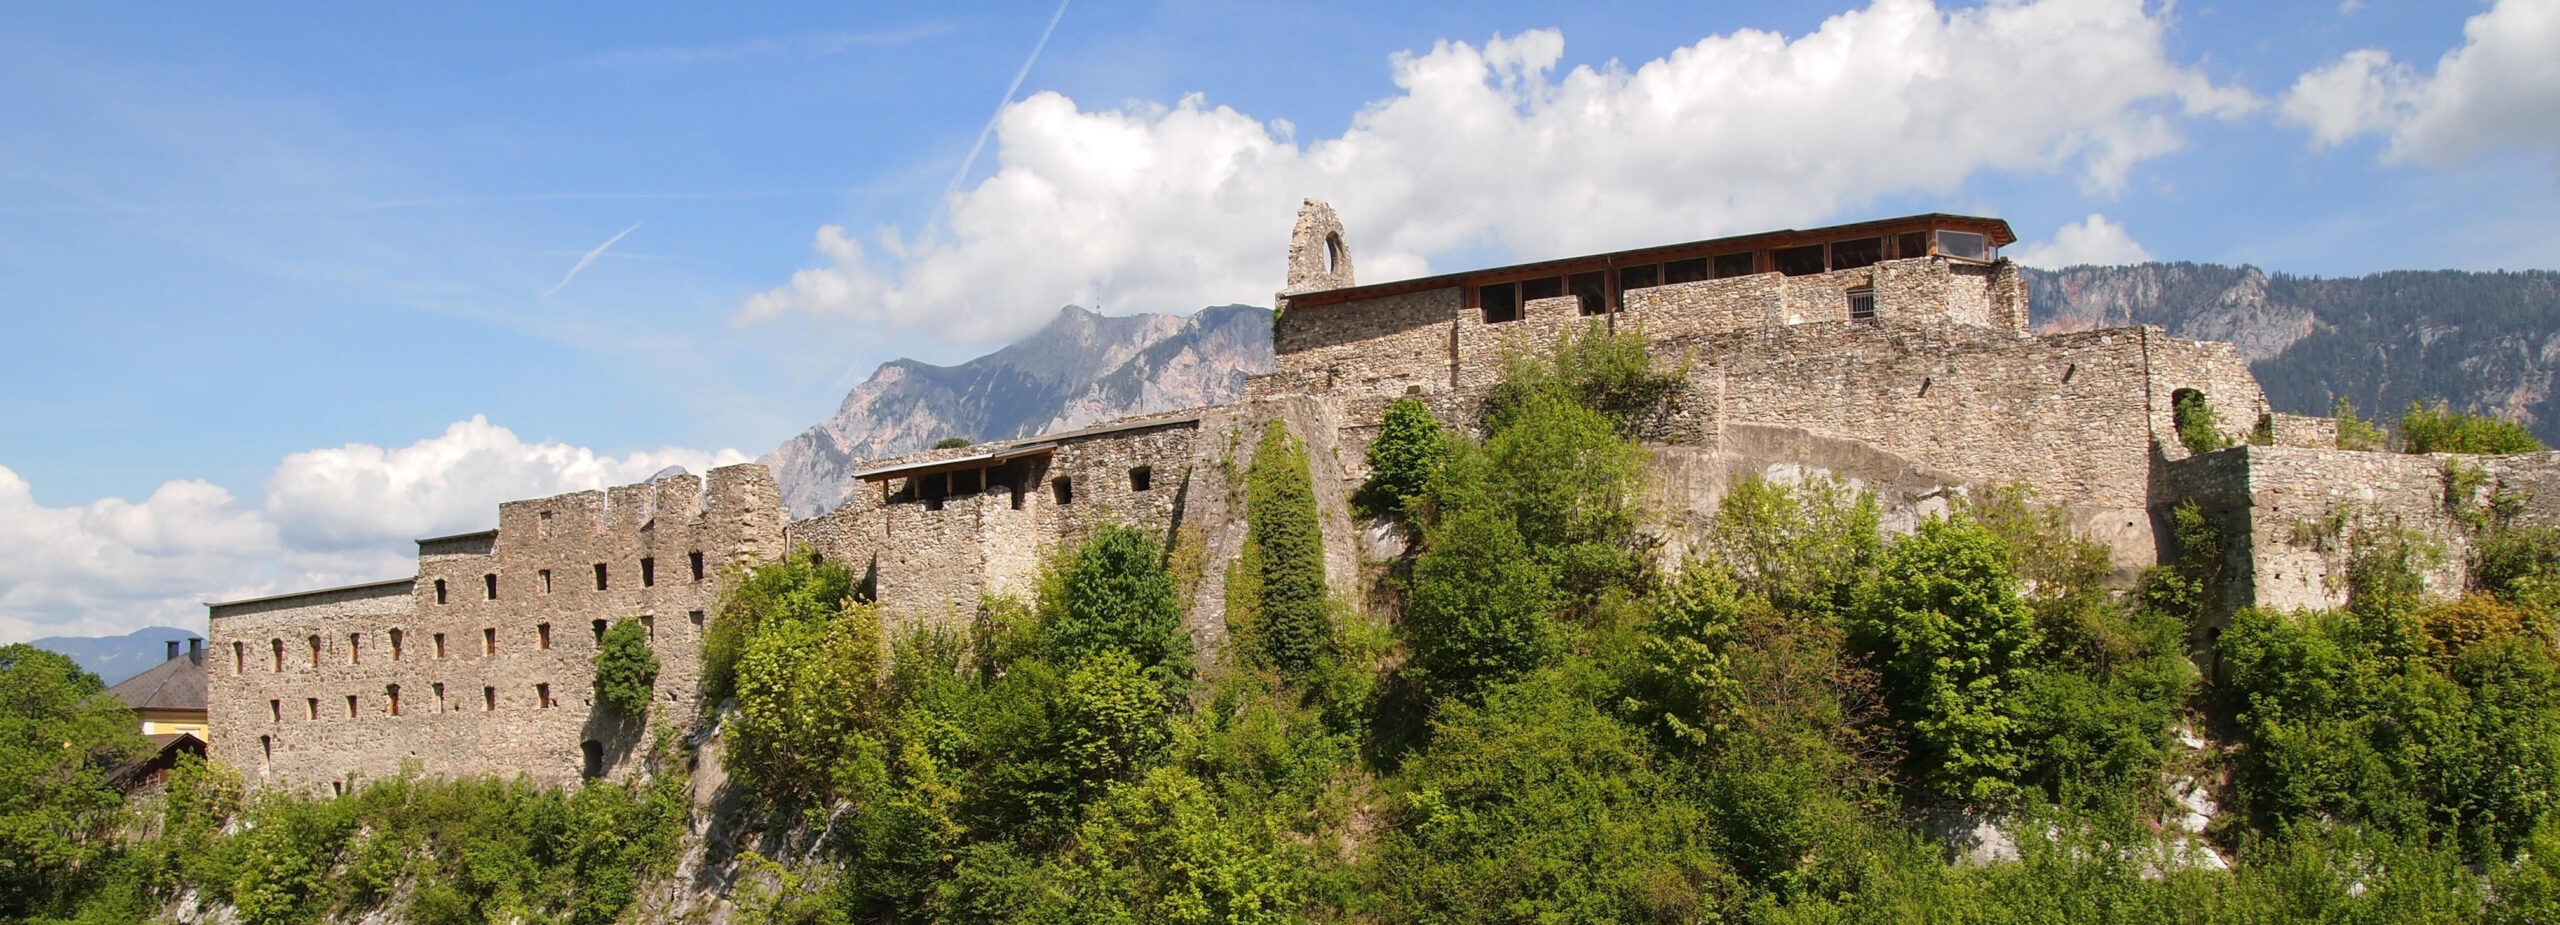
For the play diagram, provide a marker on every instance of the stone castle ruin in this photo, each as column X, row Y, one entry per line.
column 1895, row 354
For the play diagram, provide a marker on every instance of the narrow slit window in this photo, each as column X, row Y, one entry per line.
column 542, row 636
column 488, row 699
column 600, row 583
column 438, row 690
column 1142, row 478
column 391, row 695
column 312, row 706
column 315, row 651
column 1688, row 271
column 546, row 581
column 600, row 627
column 1862, row 304
column 351, row 706
column 648, row 571
column 239, row 658
column 1799, row 261
column 1728, row 266
column 542, row 695
column 1500, row 302
column 266, row 748
column 395, row 645
column 696, row 559
column 275, row 711
column 354, row 642
column 439, row 647
column 1064, row 490
column 439, row 590
column 649, row 627
column 1590, row 291
column 278, row 646
column 490, row 581
column 488, row 640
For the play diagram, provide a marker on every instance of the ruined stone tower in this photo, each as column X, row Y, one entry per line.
column 1318, row 258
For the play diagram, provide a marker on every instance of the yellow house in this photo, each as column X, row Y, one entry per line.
column 169, row 697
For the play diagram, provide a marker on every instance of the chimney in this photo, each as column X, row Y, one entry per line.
column 173, row 648
column 195, row 648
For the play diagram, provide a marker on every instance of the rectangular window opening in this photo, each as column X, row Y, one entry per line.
column 1852, row 254
column 1590, row 291
column 649, row 627
column 1911, row 244
column 239, row 658
column 354, row 640
column 395, row 645
column 490, row 583
column 695, row 616
column 1142, row 478
column 600, row 627
column 1862, row 304
column 1064, row 490
column 600, row 584
column 391, row 694
column 1799, row 261
column 542, row 636
column 1643, row 277
column 315, row 651
column 1728, row 266
column 439, row 647
column 439, row 590
column 438, row 689
column 1964, row 244
column 696, row 559
column 648, row 571
column 278, row 646
column 488, row 699
column 1688, row 271
column 275, row 711
column 1500, row 302
column 351, row 706
column 546, row 581
column 1532, row 290
column 489, row 640
column 313, row 705
column 542, row 695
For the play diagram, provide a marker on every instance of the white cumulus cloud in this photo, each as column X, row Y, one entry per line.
column 1161, row 207
column 2501, row 88
column 2092, row 240
column 329, row 517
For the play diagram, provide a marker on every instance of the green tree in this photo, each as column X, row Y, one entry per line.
column 1685, row 663
column 626, row 669
column 799, row 589
column 2199, row 428
column 61, row 736
column 2356, row 433
column 1955, row 645
column 809, row 697
column 1478, row 610
column 1802, row 547
column 1407, row 455
column 2437, row 428
column 1115, row 592
column 1291, row 619
column 1609, row 373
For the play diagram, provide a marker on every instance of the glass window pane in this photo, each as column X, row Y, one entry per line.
column 1643, row 277
column 1732, row 265
column 1912, row 244
column 1862, row 252
column 1963, row 244
column 1687, row 271
column 1532, row 290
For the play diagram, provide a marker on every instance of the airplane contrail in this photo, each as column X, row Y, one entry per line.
column 591, row 257
column 1009, row 91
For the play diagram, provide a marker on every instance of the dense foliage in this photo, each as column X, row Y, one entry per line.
column 1404, row 458
column 1787, row 712
column 2199, row 428
column 626, row 669
column 1290, row 619
column 61, row 738
column 2438, row 428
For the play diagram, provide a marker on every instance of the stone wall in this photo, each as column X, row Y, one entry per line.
column 2289, row 514
column 2302, row 431
column 495, row 624
column 1383, row 346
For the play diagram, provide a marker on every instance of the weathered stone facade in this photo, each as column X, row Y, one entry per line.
column 1892, row 354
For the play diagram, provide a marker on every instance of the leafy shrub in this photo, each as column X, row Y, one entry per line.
column 1291, row 622
column 951, row 443
column 1955, row 645
column 1114, row 592
column 1405, row 457
column 2199, row 428
column 2438, row 428
column 1685, row 663
column 798, row 589
column 1477, row 612
column 809, row 694
column 1802, row 547
column 1611, row 374
column 2356, row 433
column 626, row 670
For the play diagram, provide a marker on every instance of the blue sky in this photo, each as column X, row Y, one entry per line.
column 287, row 287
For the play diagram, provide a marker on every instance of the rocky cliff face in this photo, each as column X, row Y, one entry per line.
column 1080, row 368
column 2489, row 341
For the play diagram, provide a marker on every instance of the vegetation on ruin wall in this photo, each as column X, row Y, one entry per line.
column 1562, row 727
